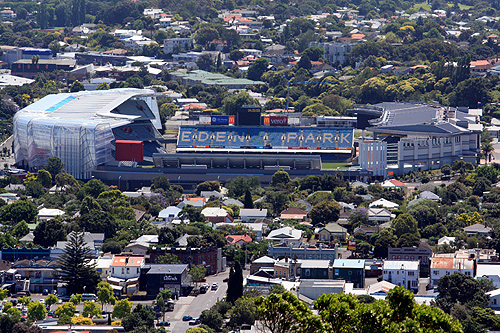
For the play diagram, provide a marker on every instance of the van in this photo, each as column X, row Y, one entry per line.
column 89, row 297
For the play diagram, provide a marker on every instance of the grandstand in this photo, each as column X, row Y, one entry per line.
column 81, row 128
column 240, row 139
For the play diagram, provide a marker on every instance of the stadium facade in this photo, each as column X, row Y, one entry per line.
column 81, row 128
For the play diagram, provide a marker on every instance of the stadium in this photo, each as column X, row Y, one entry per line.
column 114, row 135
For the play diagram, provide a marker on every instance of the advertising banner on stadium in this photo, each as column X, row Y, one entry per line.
column 278, row 120
column 220, row 120
column 205, row 120
column 266, row 121
column 231, row 120
column 293, row 121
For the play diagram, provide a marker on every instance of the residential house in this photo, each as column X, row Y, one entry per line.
column 150, row 239
column 402, row 273
column 287, row 236
column 103, row 265
column 126, row 267
column 262, row 262
column 379, row 215
column 332, row 232
column 422, row 254
column 430, row 196
column 394, row 183
column 477, row 229
column 137, row 248
column 366, row 230
column 156, row 277
column 216, row 215
column 252, row 214
column 489, row 271
column 335, row 53
column 238, row 239
column 494, row 299
column 195, row 203
column 211, row 194
column 384, row 203
column 380, row 288
column 231, row 201
column 446, row 240
column 293, row 214
column 45, row 214
column 350, row 270
column 28, row 238
column 315, row 269
column 441, row 266
column 93, row 240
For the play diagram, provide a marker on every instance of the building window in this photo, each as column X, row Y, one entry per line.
column 436, row 273
column 336, row 271
column 411, row 273
column 413, row 283
column 447, row 273
column 123, row 270
column 494, row 301
column 308, row 272
column 467, row 273
column 350, row 273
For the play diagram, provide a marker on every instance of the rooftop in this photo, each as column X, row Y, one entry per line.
column 165, row 268
column 349, row 263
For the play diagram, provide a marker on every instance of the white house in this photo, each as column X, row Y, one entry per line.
column 494, row 301
column 126, row 267
column 170, row 44
column 446, row 240
column 384, row 203
column 170, row 213
column 447, row 266
column 379, row 215
column 489, row 271
column 287, row 235
column 402, row 273
column 252, row 214
column 45, row 214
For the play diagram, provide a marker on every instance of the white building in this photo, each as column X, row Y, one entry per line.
column 126, row 267
column 402, row 273
column 335, row 53
column 489, row 271
column 494, row 299
column 441, row 266
column 47, row 214
column 154, row 13
column 170, row 44
column 286, row 235
column 373, row 156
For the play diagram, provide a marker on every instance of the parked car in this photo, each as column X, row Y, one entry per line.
column 194, row 321
column 64, row 298
column 21, row 294
column 89, row 297
column 163, row 323
column 45, row 292
column 51, row 314
column 187, row 318
column 215, row 286
column 225, row 280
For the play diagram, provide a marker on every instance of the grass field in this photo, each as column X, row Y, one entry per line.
column 335, row 165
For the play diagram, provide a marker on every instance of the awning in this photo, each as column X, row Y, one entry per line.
column 115, row 280
column 119, row 288
column 11, row 271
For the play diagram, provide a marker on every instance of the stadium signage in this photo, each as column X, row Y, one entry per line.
column 278, row 120
column 220, row 120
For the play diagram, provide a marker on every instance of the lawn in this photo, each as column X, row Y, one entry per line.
column 427, row 7
column 335, row 165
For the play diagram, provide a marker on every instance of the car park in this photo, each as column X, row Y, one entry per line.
column 194, row 321
column 187, row 318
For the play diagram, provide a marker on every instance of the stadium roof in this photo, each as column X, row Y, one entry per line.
column 99, row 106
column 440, row 129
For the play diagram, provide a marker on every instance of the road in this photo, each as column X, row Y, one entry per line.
column 194, row 305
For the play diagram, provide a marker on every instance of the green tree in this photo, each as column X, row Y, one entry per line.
column 141, row 317
column 446, row 169
column 77, row 86
column 238, row 186
column 51, row 300
column 48, row 232
column 161, row 182
column 205, row 62
column 76, row 299
column 488, row 172
column 324, row 212
column 44, row 178
column 105, row 294
column 102, row 86
column 122, row 308
column 314, row 53
column 235, row 283
column 404, row 224
column 94, row 187
column 21, row 229
column 205, row 35
column 66, row 309
column 18, row 211
column 232, row 103
column 462, row 289
column 280, row 178
column 317, row 109
column 91, row 309
column 55, row 166
column 236, row 55
column 212, row 319
column 283, row 313
column 304, row 62
column 77, row 270
column 197, row 273
column 243, row 312
column 248, row 202
column 257, row 68
column 209, row 185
